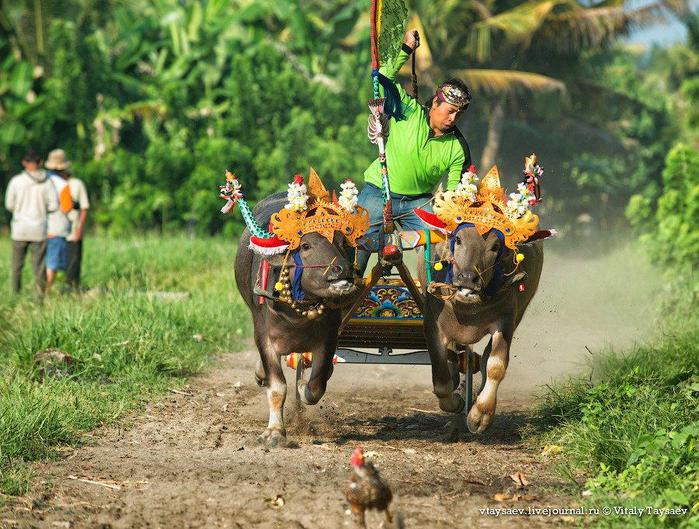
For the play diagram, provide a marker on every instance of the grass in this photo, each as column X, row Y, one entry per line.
column 127, row 341
column 631, row 437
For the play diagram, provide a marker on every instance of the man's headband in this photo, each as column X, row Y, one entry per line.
column 454, row 96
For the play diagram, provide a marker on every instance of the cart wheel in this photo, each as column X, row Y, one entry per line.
column 470, row 360
column 299, row 378
column 469, row 383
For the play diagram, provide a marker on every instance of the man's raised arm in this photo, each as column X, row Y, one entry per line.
column 391, row 67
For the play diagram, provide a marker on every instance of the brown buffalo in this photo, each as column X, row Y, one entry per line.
column 486, row 301
column 328, row 278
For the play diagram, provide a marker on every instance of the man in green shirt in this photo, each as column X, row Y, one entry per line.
column 422, row 146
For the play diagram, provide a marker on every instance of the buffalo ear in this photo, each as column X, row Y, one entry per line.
column 268, row 247
column 540, row 236
column 493, row 242
column 274, row 260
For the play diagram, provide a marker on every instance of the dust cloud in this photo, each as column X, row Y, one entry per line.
column 586, row 304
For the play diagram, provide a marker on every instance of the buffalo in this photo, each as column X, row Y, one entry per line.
column 328, row 283
column 472, row 313
column 494, row 257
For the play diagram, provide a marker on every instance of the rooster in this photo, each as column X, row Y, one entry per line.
column 366, row 489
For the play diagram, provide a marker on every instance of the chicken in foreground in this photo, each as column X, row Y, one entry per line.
column 366, row 489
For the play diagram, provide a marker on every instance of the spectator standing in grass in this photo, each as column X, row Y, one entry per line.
column 30, row 197
column 59, row 225
column 74, row 241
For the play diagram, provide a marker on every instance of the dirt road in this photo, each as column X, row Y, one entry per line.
column 189, row 459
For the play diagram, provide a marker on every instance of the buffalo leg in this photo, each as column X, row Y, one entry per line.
column 481, row 413
column 313, row 390
column 275, row 382
column 260, row 375
column 484, row 365
column 443, row 377
column 321, row 370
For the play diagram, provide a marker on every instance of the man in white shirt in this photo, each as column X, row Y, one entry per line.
column 29, row 197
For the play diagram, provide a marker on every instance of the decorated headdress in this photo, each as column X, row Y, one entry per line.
column 486, row 205
column 309, row 209
column 454, row 95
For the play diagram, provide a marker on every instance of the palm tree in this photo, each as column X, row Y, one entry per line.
column 547, row 37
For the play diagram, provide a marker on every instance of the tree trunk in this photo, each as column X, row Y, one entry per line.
column 39, row 27
column 490, row 151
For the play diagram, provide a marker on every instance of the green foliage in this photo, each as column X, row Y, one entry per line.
column 635, row 432
column 671, row 231
column 127, row 339
column 153, row 104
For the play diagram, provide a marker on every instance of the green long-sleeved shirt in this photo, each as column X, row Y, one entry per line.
column 416, row 158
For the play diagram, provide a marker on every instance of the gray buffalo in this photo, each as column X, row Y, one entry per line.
column 328, row 283
column 484, row 300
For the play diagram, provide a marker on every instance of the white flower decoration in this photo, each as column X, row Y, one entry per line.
column 467, row 187
column 518, row 204
column 348, row 196
column 297, row 195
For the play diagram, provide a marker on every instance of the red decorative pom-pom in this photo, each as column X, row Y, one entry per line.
column 298, row 179
column 390, row 249
column 472, row 168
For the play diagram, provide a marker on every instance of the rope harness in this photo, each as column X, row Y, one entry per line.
column 290, row 291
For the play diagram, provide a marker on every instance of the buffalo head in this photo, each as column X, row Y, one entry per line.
column 327, row 272
column 474, row 260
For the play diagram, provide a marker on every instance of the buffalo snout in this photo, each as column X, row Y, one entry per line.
column 469, row 280
column 340, row 271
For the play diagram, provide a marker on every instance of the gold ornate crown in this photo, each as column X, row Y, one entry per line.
column 321, row 215
column 489, row 210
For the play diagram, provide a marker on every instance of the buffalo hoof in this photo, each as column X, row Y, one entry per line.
column 454, row 403
column 306, row 396
column 477, row 421
column 273, row 438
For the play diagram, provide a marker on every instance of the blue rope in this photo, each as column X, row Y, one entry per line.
column 392, row 107
column 296, row 292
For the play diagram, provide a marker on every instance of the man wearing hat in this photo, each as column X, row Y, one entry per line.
column 59, row 223
column 423, row 145
column 29, row 197
column 76, row 215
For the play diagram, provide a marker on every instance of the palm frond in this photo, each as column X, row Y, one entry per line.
column 586, row 28
column 517, row 25
column 509, row 81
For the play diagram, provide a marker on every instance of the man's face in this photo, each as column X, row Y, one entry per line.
column 443, row 115
column 31, row 165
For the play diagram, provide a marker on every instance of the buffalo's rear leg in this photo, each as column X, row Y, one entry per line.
column 260, row 375
column 480, row 416
column 275, row 382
